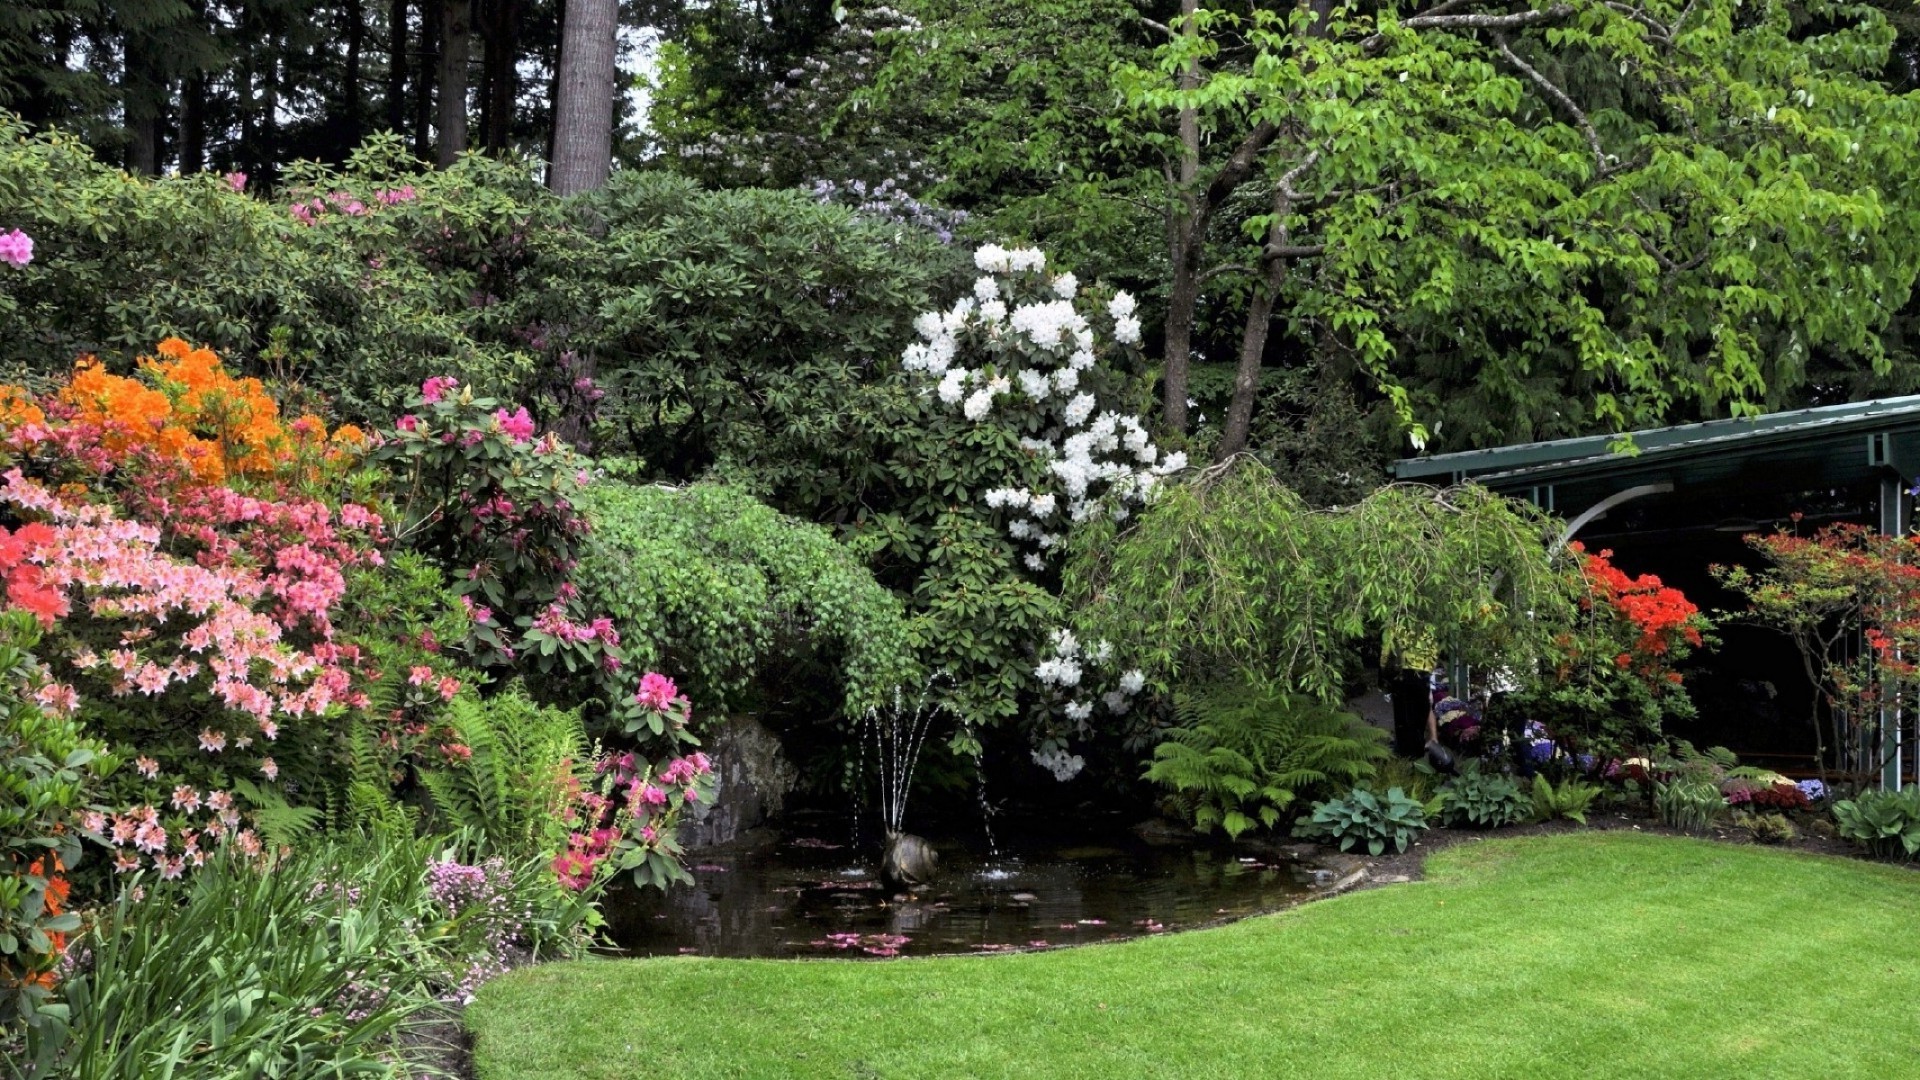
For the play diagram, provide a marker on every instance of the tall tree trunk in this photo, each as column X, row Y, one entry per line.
column 356, row 31
column 141, row 94
column 553, row 81
column 397, row 66
column 422, row 84
column 1275, row 257
column 268, row 168
column 1185, row 240
column 1253, row 348
column 583, row 109
column 500, row 26
column 456, row 21
column 193, row 124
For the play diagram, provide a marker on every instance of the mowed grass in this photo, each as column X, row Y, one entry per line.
column 1587, row 954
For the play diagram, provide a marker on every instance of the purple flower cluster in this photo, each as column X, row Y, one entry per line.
column 480, row 899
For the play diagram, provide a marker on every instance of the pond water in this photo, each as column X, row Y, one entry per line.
column 806, row 895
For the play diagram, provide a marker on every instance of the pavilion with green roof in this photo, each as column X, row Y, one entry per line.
column 1672, row 501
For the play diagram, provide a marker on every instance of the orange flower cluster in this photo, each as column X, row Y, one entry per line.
column 1662, row 614
column 41, row 970
column 185, row 409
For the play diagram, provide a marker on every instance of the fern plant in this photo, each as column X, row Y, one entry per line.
column 1240, row 755
column 509, row 784
column 1569, row 800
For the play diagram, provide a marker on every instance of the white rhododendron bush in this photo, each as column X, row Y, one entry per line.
column 1036, row 351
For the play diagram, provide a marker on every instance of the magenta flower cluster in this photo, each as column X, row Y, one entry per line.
column 16, row 247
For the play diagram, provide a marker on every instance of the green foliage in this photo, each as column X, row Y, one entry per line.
column 1483, row 800
column 1573, row 218
column 305, row 970
column 1232, row 573
column 1569, row 799
column 49, row 771
column 1767, row 828
column 756, row 333
column 357, row 306
column 716, row 587
column 1417, row 779
column 1239, row 755
column 1361, row 817
column 509, row 787
column 1689, row 804
column 308, row 965
column 1886, row 823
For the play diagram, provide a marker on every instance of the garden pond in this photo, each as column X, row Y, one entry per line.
column 818, row 895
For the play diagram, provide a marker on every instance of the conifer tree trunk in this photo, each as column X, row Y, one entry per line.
column 456, row 21
column 356, row 31
column 422, row 83
column 397, row 65
column 583, row 108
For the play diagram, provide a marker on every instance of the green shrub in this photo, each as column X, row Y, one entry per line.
column 1767, row 828
column 1569, row 800
column 48, row 772
column 1239, row 755
column 1361, row 817
column 1691, row 805
column 358, row 306
column 1483, row 800
column 1887, row 823
column 710, row 584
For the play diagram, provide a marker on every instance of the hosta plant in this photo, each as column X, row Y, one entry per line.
column 1362, row 817
column 1483, row 800
column 1887, row 823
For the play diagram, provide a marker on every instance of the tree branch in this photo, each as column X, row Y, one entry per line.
column 1560, row 97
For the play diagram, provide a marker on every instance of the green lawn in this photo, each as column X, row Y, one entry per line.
column 1587, row 954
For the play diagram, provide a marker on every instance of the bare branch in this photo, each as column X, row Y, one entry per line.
column 1560, row 97
column 1512, row 21
column 1157, row 26
column 1227, row 268
column 1293, row 251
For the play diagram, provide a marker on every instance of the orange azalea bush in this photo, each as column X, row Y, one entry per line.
column 182, row 409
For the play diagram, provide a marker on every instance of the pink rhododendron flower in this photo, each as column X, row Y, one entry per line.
column 407, row 423
column 237, row 181
column 517, row 426
column 656, row 691
column 420, row 675
column 148, row 767
column 16, row 247
column 436, row 388
column 269, row 769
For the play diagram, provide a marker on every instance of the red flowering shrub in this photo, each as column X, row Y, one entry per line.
column 1614, row 682
column 1822, row 590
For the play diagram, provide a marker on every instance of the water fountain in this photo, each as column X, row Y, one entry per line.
column 899, row 731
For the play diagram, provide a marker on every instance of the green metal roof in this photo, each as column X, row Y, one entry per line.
column 1826, row 445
